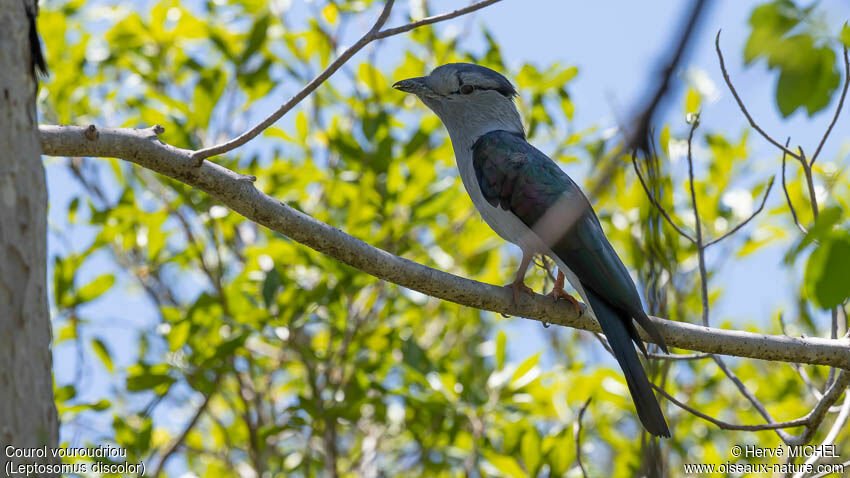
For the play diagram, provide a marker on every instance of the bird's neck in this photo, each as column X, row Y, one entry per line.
column 465, row 132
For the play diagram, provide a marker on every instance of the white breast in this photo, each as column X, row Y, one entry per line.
column 505, row 223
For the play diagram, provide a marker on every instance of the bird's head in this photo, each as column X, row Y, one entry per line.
column 470, row 99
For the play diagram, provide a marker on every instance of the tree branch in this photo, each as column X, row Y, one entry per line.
column 703, row 274
column 837, row 110
column 788, row 196
column 741, row 103
column 373, row 34
column 577, row 435
column 727, row 425
column 658, row 205
column 434, row 19
column 233, row 190
column 748, row 219
column 172, row 448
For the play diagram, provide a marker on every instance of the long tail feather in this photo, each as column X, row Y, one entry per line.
column 614, row 326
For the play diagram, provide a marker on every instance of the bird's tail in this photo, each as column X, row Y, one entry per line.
column 615, row 326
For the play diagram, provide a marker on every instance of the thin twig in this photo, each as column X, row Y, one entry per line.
column 726, row 425
column 743, row 389
column 837, row 110
column 703, row 274
column 788, row 196
column 434, row 19
column 741, row 103
column 373, row 34
column 172, row 448
column 820, row 410
column 577, row 435
column 658, row 205
column 810, row 184
column 750, row 218
column 836, row 427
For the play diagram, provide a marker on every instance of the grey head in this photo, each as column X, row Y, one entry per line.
column 470, row 100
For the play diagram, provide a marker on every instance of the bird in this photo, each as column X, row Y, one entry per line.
column 528, row 200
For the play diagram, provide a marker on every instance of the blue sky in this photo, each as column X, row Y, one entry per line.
column 616, row 46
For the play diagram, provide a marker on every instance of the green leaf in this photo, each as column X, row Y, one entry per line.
column 505, row 464
column 808, row 75
column 141, row 378
column 530, row 450
column 179, row 334
column 72, row 209
column 271, row 284
column 95, row 288
column 770, row 22
column 822, row 228
column 501, row 340
column 256, row 38
column 525, row 367
column 301, row 125
column 415, row 357
column 845, row 35
column 103, row 354
column 692, row 101
column 63, row 394
column 827, row 276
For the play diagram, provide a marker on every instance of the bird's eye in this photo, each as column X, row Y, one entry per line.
column 466, row 89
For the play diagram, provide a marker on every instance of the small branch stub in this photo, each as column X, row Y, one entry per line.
column 91, row 133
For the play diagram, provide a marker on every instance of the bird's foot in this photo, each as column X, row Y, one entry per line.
column 560, row 293
column 518, row 286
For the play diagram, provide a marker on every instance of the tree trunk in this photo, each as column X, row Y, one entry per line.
column 28, row 417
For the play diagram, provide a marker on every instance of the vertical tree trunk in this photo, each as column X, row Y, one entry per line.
column 28, row 416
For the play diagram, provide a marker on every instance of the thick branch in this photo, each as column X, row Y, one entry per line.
column 233, row 190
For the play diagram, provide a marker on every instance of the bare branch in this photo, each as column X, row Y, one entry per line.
column 816, row 416
column 741, row 103
column 703, row 274
column 744, row 390
column 726, row 425
column 788, row 196
column 231, row 189
column 658, row 205
column 434, row 19
column 172, row 448
column 577, row 435
column 836, row 427
column 373, row 34
column 750, row 218
column 810, row 184
column 837, row 110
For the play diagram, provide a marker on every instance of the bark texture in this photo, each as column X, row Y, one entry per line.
column 28, row 416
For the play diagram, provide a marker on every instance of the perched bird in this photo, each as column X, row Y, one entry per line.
column 529, row 201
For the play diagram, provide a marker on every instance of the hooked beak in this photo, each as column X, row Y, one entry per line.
column 416, row 86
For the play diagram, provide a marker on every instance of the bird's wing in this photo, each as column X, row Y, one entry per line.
column 515, row 176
